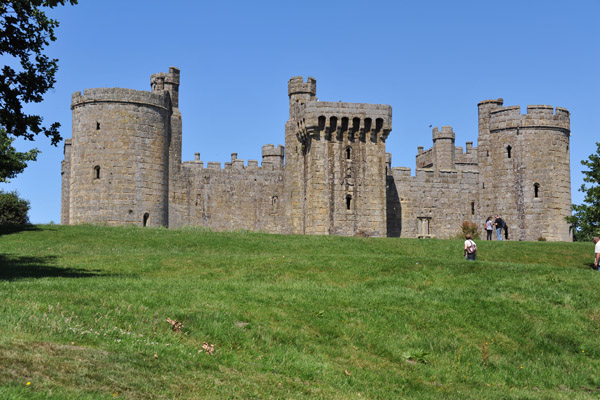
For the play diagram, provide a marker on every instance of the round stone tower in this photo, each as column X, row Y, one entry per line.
column 119, row 170
column 525, row 169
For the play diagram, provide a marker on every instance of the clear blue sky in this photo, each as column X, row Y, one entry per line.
column 432, row 61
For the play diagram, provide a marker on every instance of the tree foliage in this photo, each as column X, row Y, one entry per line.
column 12, row 162
column 25, row 31
column 13, row 210
column 586, row 217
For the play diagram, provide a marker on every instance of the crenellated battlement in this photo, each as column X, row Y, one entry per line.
column 272, row 159
column 446, row 133
column 167, row 81
column 119, row 95
column 296, row 85
column 537, row 116
column 269, row 150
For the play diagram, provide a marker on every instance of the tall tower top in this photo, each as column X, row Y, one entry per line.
column 169, row 82
column 296, row 85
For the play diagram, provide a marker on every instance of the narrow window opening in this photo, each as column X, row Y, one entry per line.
column 348, row 202
column 348, row 153
column 97, row 172
column 508, row 151
column 146, row 216
column 97, row 126
column 487, row 153
column 483, row 185
column 536, row 190
column 472, row 208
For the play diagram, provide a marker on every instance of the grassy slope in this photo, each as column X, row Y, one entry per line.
column 83, row 316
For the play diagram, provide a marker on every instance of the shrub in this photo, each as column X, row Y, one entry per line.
column 470, row 228
column 13, row 210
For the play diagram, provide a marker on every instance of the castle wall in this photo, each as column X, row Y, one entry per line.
column 119, row 157
column 237, row 197
column 433, row 204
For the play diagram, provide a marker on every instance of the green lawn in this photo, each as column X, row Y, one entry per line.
column 84, row 308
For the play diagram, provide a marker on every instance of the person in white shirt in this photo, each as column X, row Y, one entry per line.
column 470, row 248
column 597, row 251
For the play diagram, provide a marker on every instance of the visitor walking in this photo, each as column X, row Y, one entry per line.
column 470, row 248
column 499, row 223
column 489, row 228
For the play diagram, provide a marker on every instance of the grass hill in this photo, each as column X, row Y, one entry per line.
column 84, row 309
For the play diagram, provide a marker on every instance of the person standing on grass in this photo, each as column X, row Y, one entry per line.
column 489, row 228
column 499, row 222
column 597, row 251
column 470, row 248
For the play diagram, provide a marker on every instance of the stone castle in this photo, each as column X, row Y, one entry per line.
column 123, row 166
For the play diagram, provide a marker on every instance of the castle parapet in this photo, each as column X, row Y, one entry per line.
column 296, row 85
column 119, row 95
column 167, row 81
column 538, row 116
column 446, row 133
column 365, row 121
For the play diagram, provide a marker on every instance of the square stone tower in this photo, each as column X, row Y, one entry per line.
column 335, row 164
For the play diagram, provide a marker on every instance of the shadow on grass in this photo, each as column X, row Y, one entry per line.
column 15, row 267
column 10, row 229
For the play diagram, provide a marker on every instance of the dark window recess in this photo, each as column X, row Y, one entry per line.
column 97, row 172
column 322, row 121
column 472, row 208
column 333, row 124
column 348, row 153
column 146, row 216
column 348, row 202
column 97, row 126
column 508, row 151
column 536, row 190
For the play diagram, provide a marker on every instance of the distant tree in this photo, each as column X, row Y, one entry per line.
column 25, row 30
column 13, row 210
column 586, row 217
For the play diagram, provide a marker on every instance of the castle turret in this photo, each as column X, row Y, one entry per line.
column 273, row 155
column 524, row 169
column 168, row 82
column 443, row 148
column 301, row 92
column 119, row 169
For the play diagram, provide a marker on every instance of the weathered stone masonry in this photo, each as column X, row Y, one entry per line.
column 123, row 166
